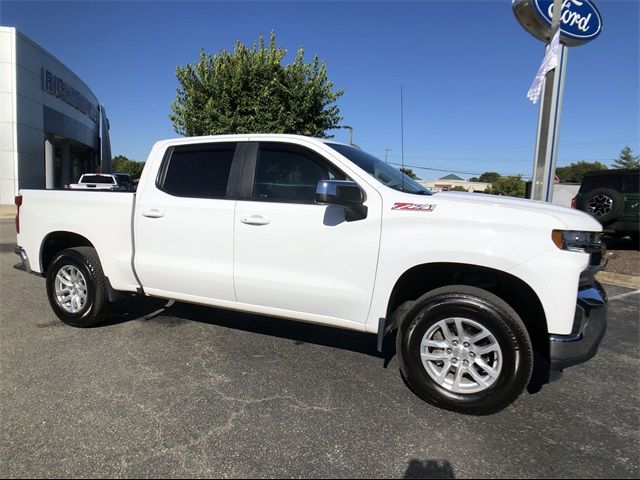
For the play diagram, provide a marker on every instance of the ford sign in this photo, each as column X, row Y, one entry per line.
column 580, row 20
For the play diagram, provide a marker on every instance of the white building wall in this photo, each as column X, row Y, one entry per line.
column 8, row 141
column 441, row 185
column 563, row 193
column 22, row 119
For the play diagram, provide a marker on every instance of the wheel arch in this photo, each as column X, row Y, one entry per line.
column 513, row 290
column 57, row 241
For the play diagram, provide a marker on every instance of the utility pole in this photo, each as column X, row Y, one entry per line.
column 350, row 133
column 386, row 153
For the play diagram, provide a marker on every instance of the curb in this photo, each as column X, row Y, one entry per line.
column 618, row 279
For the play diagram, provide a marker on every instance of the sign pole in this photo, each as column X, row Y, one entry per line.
column 546, row 154
column 581, row 23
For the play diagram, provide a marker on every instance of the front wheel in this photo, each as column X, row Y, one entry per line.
column 76, row 287
column 464, row 349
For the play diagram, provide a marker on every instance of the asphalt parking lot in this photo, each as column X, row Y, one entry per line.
column 198, row 392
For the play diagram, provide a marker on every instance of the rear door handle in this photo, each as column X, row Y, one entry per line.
column 152, row 213
column 255, row 220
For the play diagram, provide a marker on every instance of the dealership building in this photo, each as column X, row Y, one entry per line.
column 52, row 126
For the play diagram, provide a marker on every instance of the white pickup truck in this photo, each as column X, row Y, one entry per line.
column 103, row 181
column 475, row 286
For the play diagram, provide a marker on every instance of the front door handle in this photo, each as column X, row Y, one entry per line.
column 255, row 220
column 152, row 213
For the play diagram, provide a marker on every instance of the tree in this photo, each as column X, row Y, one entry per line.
column 474, row 179
column 459, row 188
column 575, row 172
column 626, row 159
column 508, row 186
column 489, row 177
column 409, row 173
column 251, row 91
column 122, row 164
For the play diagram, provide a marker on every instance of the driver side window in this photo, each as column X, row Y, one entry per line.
column 290, row 175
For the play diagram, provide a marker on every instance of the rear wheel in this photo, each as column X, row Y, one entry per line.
column 76, row 287
column 464, row 349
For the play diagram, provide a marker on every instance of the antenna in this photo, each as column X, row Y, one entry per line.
column 402, row 136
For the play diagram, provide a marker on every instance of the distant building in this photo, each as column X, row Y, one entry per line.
column 52, row 127
column 451, row 176
column 449, row 182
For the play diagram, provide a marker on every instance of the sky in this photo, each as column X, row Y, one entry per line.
column 465, row 68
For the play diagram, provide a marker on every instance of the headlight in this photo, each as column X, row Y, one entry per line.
column 577, row 241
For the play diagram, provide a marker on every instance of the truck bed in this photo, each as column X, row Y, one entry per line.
column 103, row 218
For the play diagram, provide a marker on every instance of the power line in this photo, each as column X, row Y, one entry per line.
column 563, row 144
column 455, row 171
column 462, row 159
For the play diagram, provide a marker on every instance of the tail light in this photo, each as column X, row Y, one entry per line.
column 18, row 201
column 574, row 202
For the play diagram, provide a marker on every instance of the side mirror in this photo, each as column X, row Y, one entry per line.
column 342, row 193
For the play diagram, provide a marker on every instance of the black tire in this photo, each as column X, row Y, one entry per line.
column 593, row 204
column 494, row 315
column 96, row 307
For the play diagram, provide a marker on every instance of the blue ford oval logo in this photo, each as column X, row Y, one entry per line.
column 580, row 19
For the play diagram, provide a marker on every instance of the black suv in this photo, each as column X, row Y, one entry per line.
column 613, row 198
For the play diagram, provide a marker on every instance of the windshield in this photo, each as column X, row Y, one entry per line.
column 383, row 172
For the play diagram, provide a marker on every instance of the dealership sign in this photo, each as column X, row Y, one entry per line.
column 580, row 20
column 61, row 89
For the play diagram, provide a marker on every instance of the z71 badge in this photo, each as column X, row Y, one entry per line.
column 421, row 207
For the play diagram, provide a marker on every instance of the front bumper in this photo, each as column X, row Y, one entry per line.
column 589, row 327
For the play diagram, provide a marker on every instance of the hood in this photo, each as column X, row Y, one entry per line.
column 571, row 218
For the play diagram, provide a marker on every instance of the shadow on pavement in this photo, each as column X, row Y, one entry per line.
column 157, row 310
column 171, row 314
column 7, row 247
column 617, row 243
column 429, row 469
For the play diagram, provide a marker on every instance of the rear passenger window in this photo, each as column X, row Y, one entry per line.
column 199, row 171
column 290, row 175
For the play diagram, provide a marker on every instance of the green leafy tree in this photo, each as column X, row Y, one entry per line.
column 626, row 159
column 508, row 186
column 408, row 172
column 474, row 179
column 489, row 177
column 122, row 164
column 575, row 172
column 251, row 91
column 459, row 188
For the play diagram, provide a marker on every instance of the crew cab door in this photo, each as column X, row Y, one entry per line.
column 184, row 223
column 294, row 255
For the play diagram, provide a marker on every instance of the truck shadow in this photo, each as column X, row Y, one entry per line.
column 429, row 469
column 172, row 314
column 618, row 243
